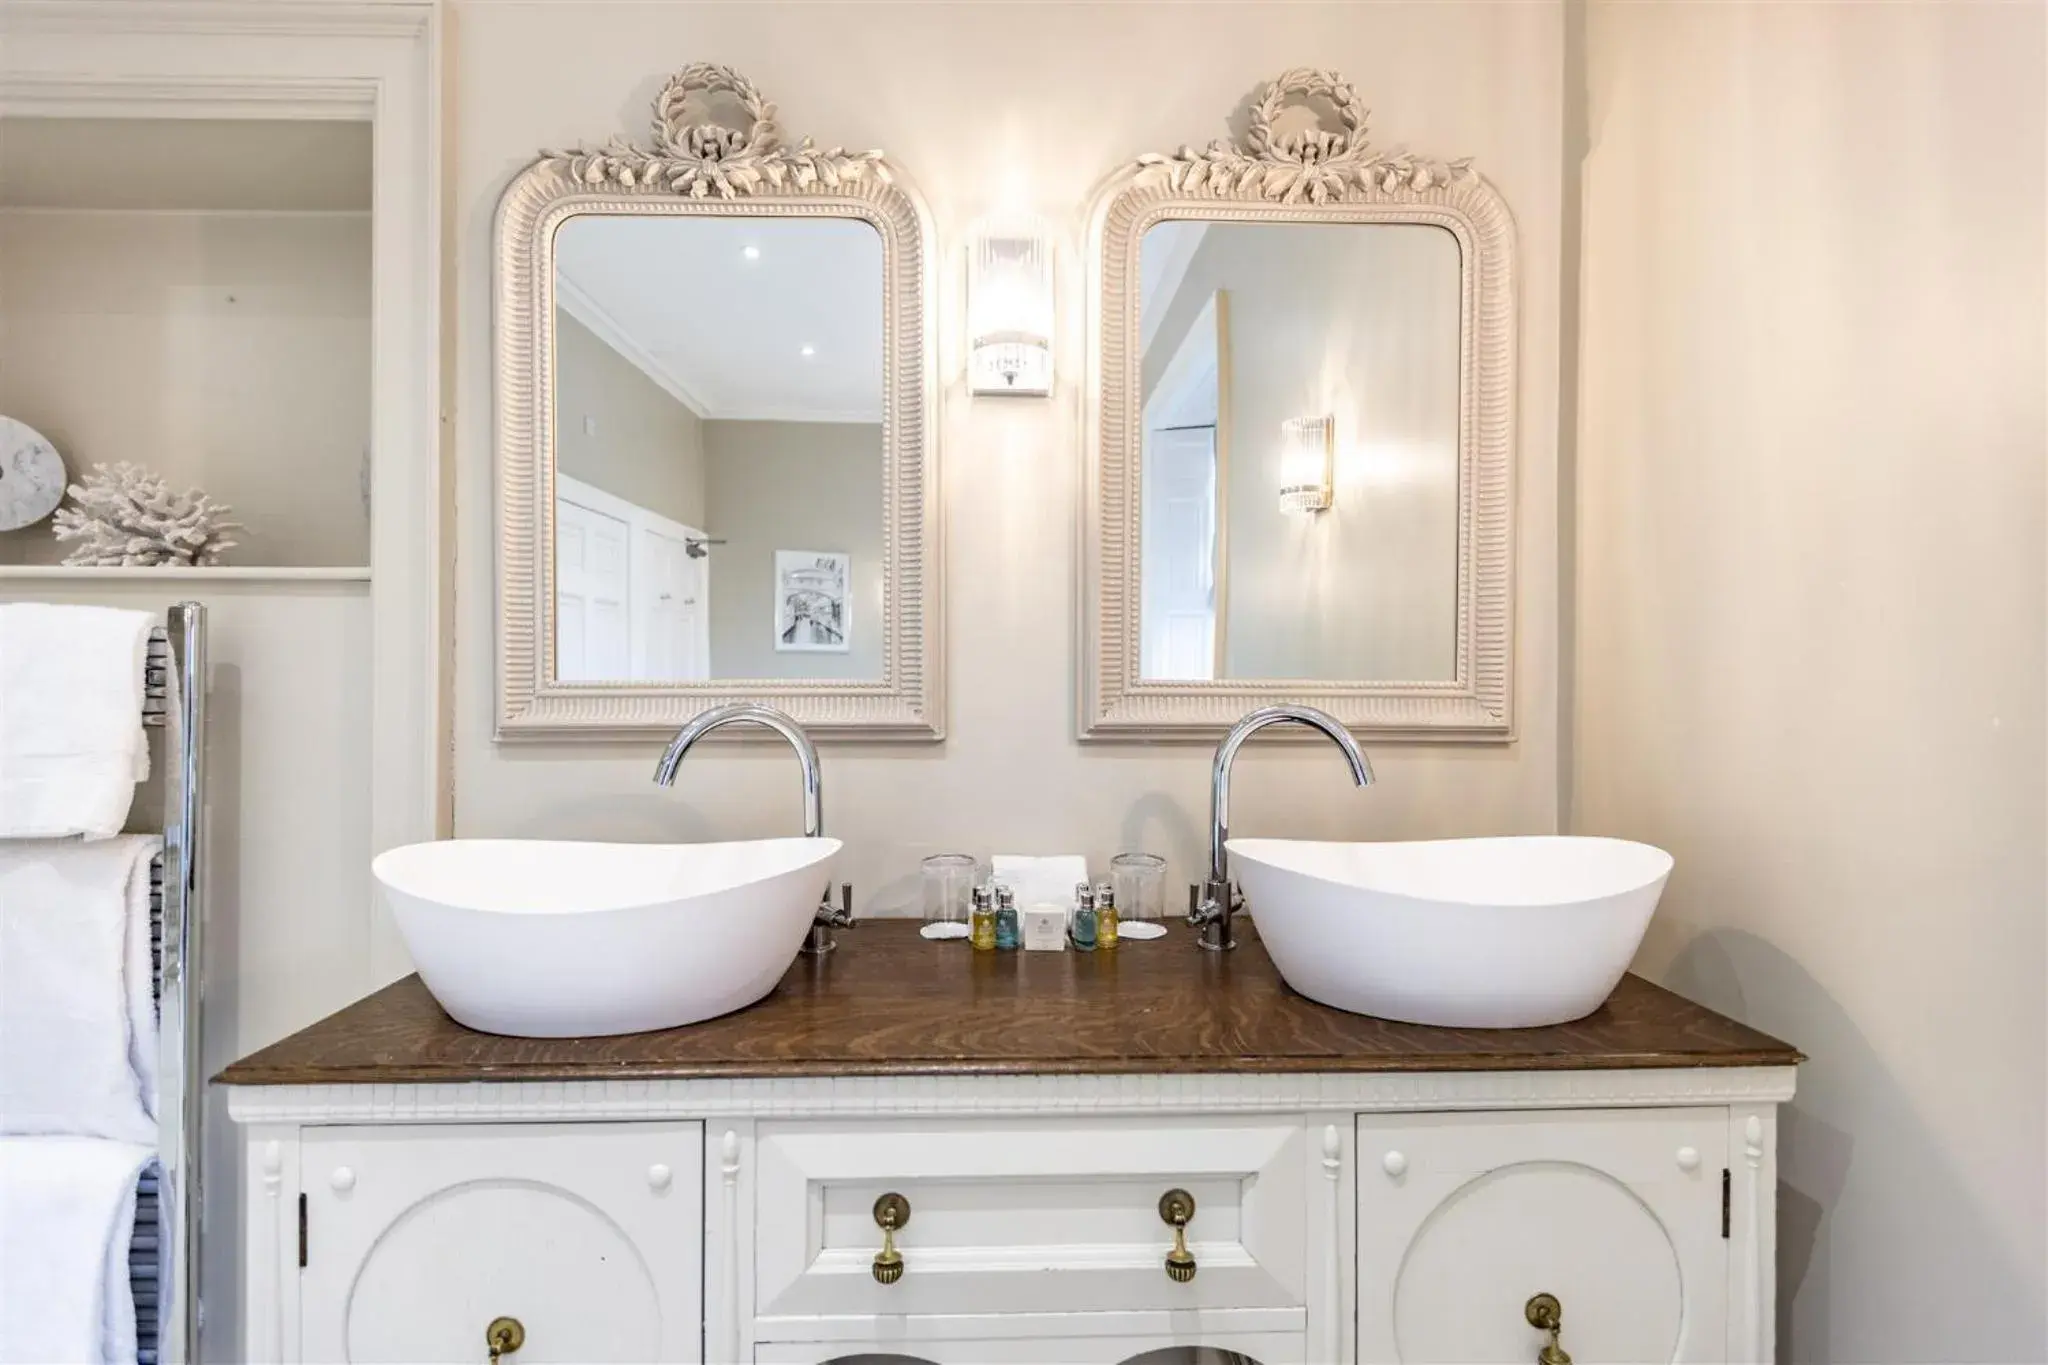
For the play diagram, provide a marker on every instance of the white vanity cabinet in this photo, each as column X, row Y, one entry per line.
column 415, row 1240
column 1338, row 1217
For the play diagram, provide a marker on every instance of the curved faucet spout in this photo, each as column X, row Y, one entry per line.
column 752, row 713
column 1226, row 754
column 1217, row 900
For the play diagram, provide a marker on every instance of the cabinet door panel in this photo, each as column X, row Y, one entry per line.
column 590, row 1236
column 1462, row 1218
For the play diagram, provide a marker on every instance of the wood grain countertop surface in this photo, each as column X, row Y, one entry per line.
column 889, row 1003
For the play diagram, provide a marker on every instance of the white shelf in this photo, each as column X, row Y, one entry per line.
column 232, row 573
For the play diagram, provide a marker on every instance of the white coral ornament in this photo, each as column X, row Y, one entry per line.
column 125, row 516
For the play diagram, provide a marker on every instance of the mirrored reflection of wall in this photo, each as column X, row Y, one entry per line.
column 621, row 431
column 1355, row 322
column 793, row 486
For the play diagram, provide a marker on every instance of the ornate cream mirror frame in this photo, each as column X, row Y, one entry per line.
column 1316, row 176
column 708, row 169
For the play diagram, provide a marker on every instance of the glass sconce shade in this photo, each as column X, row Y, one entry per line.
column 1306, row 446
column 1010, row 310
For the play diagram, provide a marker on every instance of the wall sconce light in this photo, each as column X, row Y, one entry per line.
column 1009, row 309
column 1307, row 446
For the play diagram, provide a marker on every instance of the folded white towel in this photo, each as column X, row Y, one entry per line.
column 77, row 1009
column 1041, row 881
column 72, row 746
column 67, row 1215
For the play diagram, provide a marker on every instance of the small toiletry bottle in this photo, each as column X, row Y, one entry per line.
column 981, row 920
column 1006, row 919
column 1081, row 928
column 1105, row 916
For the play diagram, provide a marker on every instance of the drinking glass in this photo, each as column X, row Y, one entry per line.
column 949, row 880
column 1140, row 883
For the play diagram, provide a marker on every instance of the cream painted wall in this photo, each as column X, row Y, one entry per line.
column 1811, row 609
column 225, row 350
column 210, row 164
column 792, row 486
column 1359, row 324
column 982, row 103
column 648, row 448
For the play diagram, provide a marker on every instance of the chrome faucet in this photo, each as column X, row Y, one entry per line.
column 1211, row 904
column 827, row 919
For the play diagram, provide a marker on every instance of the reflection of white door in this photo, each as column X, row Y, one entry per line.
column 668, row 642
column 1187, row 424
column 592, row 583
column 1179, row 548
column 647, row 617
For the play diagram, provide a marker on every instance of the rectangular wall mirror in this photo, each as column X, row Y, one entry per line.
column 1299, row 462
column 714, row 441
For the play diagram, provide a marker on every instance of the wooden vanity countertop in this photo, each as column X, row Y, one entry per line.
column 889, row 1003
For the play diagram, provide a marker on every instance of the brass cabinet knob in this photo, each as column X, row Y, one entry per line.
column 1546, row 1314
column 892, row 1211
column 1177, row 1210
column 504, row 1336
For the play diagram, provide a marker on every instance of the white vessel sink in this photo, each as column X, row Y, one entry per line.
column 1463, row 933
column 540, row 939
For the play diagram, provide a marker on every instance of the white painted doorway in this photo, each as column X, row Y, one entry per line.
column 592, row 583
column 631, row 602
column 1181, row 528
column 671, row 626
column 1179, row 573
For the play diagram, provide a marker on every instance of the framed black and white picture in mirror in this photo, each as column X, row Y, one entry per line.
column 811, row 604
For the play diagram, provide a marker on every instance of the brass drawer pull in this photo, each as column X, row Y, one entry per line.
column 1546, row 1314
column 1176, row 1210
column 892, row 1211
column 503, row 1337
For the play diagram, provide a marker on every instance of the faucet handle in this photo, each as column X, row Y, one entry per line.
column 1213, row 904
column 1209, row 901
column 841, row 916
column 828, row 917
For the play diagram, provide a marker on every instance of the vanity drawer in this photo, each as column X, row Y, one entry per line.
column 1028, row 1216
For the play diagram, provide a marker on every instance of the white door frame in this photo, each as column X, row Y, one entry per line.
column 370, row 60
column 638, row 519
column 1203, row 354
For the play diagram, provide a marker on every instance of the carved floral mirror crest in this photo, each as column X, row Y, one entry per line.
column 1300, row 445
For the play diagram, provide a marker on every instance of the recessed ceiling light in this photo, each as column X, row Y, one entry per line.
column 808, row 351
column 752, row 253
